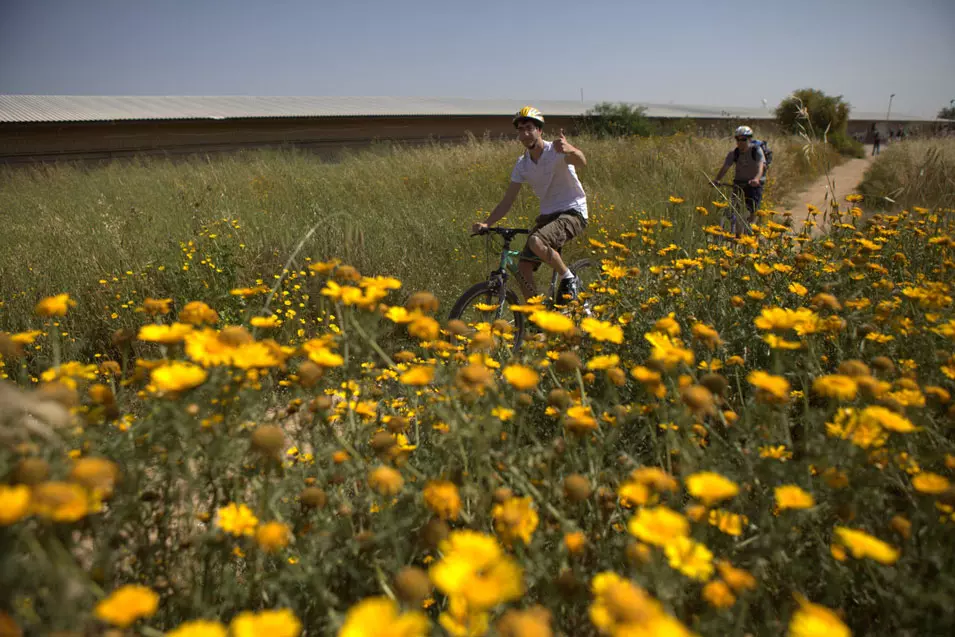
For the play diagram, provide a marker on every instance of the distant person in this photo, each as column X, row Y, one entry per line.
column 750, row 176
column 550, row 169
column 876, row 143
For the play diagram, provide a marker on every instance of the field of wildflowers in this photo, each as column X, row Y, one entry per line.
column 747, row 437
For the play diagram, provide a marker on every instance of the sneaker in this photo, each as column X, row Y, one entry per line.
column 568, row 287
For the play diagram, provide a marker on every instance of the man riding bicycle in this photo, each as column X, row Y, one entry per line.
column 750, row 174
column 550, row 169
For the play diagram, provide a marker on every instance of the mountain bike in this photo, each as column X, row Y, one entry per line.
column 488, row 301
column 735, row 215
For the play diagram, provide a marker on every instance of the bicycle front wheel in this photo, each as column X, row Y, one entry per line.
column 480, row 306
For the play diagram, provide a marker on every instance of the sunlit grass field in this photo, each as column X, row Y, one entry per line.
column 215, row 423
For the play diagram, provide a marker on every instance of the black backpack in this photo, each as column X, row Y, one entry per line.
column 757, row 143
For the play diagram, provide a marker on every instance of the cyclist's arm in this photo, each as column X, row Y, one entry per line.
column 505, row 206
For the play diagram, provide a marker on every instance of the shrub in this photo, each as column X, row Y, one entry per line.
column 617, row 120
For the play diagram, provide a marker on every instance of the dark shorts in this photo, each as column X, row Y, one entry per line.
column 554, row 231
column 752, row 196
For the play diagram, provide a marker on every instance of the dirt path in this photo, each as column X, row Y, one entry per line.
column 844, row 179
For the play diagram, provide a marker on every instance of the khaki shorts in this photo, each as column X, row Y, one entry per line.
column 554, row 231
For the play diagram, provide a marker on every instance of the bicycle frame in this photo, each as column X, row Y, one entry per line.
column 509, row 263
column 735, row 215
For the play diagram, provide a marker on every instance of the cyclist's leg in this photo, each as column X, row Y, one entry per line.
column 525, row 277
column 754, row 197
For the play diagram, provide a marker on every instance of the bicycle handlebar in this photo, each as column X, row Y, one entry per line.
column 507, row 233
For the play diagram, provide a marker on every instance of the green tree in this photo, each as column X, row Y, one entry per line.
column 617, row 120
column 827, row 114
column 947, row 113
column 813, row 113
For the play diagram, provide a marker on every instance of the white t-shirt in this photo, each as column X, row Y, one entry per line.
column 553, row 180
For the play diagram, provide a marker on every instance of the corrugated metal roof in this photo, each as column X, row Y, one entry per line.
column 88, row 108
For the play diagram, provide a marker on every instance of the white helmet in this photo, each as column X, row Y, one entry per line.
column 743, row 131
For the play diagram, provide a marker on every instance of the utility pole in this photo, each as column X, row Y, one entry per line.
column 581, row 95
column 889, row 112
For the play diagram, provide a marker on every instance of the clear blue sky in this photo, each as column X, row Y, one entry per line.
column 682, row 51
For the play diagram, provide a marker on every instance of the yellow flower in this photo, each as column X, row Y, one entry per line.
column 776, row 318
column 177, row 376
column 790, row 496
column 165, row 334
column 381, row 617
column 385, row 480
column 813, row 620
column 575, row 541
column 668, row 351
column 654, row 477
column 236, row 519
column 718, row 594
column 778, row 452
column 54, row 305
column 836, row 386
column 887, row 419
column 515, row 519
column 861, row 545
column 728, row 522
column 274, row 623
column 797, row 289
column 199, row 628
column 273, row 536
column 552, row 322
column 417, row 376
column 533, row 622
column 658, row 525
column 603, row 362
column 258, row 355
column 711, row 487
column 771, row 388
column 424, row 328
column 521, row 377
column 398, row 314
column 198, row 313
column 579, row 419
column 689, row 557
column 667, row 325
column 324, row 357
column 155, row 307
column 930, row 483
column 60, row 501
column 503, row 413
column 674, row 199
column 97, row 475
column 622, row 608
column 208, row 349
column 443, row 499
column 473, row 567
column 14, row 503
column 264, row 321
column 633, row 494
column 602, row 330
column 707, row 335
column 127, row 604
column 738, row 579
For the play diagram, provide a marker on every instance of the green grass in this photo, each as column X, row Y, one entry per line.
column 114, row 234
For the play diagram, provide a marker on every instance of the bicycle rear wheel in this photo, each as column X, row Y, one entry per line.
column 480, row 306
column 589, row 273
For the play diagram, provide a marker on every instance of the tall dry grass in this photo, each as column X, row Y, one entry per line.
column 913, row 173
column 115, row 234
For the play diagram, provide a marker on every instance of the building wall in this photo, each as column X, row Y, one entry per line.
column 101, row 140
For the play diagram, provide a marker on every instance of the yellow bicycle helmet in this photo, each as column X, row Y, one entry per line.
column 529, row 112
